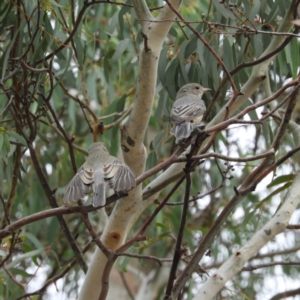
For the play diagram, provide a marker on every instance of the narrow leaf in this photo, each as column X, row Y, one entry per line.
column 17, row 137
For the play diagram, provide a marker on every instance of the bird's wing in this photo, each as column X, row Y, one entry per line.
column 186, row 112
column 99, row 186
column 80, row 185
column 119, row 175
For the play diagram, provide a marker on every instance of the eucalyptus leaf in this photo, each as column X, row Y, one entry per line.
column 122, row 46
column 24, row 256
column 17, row 137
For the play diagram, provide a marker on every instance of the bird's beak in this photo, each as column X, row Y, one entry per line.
column 206, row 90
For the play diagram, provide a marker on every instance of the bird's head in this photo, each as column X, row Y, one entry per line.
column 96, row 147
column 195, row 89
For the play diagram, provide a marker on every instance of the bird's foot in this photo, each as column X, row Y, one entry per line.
column 201, row 126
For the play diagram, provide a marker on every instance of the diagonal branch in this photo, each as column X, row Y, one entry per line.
column 246, row 187
column 235, row 263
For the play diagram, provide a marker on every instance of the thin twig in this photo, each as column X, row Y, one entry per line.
column 7, row 105
column 126, row 285
column 271, row 264
column 67, row 138
column 206, row 44
column 226, row 158
column 178, row 249
column 57, row 277
column 141, row 231
column 197, row 197
column 63, row 210
column 150, row 257
column 293, row 226
column 236, row 118
column 107, row 252
column 286, row 294
column 124, row 114
column 11, row 276
column 13, row 241
column 53, row 203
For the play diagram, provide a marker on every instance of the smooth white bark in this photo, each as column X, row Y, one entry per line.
column 236, row 262
column 128, row 209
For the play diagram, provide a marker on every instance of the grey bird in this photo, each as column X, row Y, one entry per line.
column 99, row 170
column 188, row 110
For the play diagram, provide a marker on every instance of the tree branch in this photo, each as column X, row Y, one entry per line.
column 178, row 249
column 235, row 263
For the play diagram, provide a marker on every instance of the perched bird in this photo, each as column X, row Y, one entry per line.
column 188, row 110
column 99, row 169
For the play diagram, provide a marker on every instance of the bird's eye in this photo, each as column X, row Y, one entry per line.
column 197, row 87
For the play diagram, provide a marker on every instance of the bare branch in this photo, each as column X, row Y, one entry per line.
column 284, row 295
column 234, row 264
column 178, row 250
column 53, row 212
column 251, row 268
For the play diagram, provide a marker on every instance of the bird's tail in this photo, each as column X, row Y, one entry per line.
column 99, row 187
column 99, row 194
column 182, row 130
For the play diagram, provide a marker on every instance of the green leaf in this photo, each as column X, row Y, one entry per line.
column 164, row 234
column 182, row 61
column 255, row 9
column 22, row 257
column 122, row 12
column 5, row 11
column 288, row 56
column 3, row 253
column 273, row 13
column 227, row 54
column 21, row 272
column 80, row 49
column 151, row 160
column 258, row 44
column 195, row 72
column 173, row 32
column 6, row 143
column 107, row 66
column 221, row 9
column 191, row 46
column 162, row 225
column 277, row 191
column 113, row 23
column 162, row 65
column 55, row 3
column 163, row 108
column 295, row 55
column 7, row 53
column 159, row 139
column 122, row 46
column 171, row 76
column 1, row 140
column 112, row 135
column 281, row 179
column 200, row 50
column 17, row 137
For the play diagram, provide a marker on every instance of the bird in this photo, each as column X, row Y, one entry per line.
column 187, row 110
column 99, row 171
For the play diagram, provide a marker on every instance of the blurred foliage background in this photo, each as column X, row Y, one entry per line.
column 73, row 64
